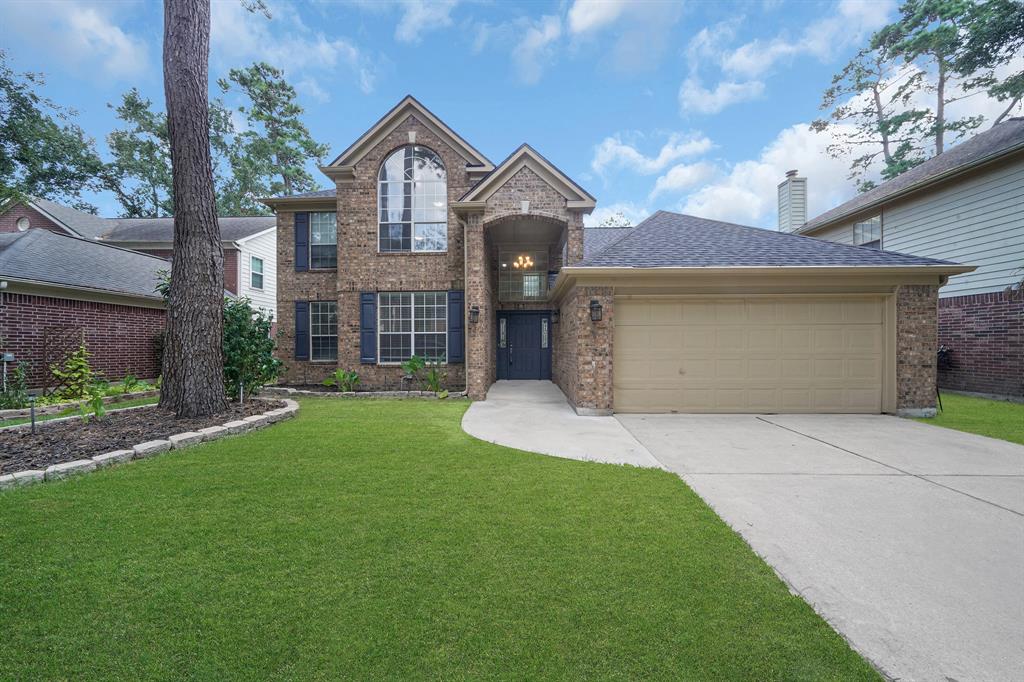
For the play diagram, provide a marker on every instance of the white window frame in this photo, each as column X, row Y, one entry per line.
column 412, row 333
column 333, row 221
column 857, row 232
column 252, row 271
column 313, row 304
column 412, row 222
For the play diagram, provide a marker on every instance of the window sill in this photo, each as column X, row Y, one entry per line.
column 412, row 253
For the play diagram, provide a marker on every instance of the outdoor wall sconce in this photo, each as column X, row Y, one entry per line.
column 474, row 314
column 595, row 310
column 555, row 314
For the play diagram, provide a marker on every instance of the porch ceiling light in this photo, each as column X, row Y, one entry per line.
column 595, row 310
column 523, row 262
column 474, row 314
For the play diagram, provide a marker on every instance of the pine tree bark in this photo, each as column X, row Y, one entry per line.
column 193, row 365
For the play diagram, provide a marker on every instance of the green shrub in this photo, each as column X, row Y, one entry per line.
column 345, row 381
column 130, row 383
column 15, row 396
column 435, row 377
column 249, row 361
column 76, row 377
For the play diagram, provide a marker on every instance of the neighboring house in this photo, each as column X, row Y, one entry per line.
column 57, row 290
column 426, row 247
column 966, row 205
column 250, row 258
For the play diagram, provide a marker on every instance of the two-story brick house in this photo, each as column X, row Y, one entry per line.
column 425, row 247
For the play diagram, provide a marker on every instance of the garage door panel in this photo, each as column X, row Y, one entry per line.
column 786, row 354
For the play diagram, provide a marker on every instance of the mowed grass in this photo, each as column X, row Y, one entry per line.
column 993, row 418
column 376, row 540
column 134, row 402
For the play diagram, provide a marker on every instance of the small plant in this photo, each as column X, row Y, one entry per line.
column 412, row 368
column 15, row 395
column 435, row 377
column 159, row 380
column 92, row 406
column 75, row 377
column 130, row 383
column 345, row 381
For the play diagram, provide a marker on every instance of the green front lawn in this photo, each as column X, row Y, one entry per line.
column 993, row 418
column 375, row 539
column 134, row 402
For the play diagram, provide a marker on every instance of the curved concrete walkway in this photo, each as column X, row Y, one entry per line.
column 535, row 416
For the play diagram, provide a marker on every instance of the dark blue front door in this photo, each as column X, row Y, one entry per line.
column 524, row 345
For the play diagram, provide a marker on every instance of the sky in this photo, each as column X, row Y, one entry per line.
column 697, row 107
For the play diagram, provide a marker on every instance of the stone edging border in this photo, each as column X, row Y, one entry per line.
column 285, row 390
column 21, row 412
column 56, row 472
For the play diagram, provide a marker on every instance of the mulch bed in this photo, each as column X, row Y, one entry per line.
column 73, row 439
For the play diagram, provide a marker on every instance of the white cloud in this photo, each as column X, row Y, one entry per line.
column 85, row 35
column 634, row 212
column 422, row 16
column 613, row 152
column 747, row 192
column 309, row 86
column 851, row 23
column 590, row 15
column 694, row 97
column 237, row 35
column 534, row 50
column 683, row 176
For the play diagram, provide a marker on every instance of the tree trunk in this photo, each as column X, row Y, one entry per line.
column 940, row 108
column 880, row 118
column 193, row 365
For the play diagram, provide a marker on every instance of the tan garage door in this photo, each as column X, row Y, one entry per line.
column 785, row 354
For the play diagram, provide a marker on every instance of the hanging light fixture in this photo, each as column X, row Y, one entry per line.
column 523, row 262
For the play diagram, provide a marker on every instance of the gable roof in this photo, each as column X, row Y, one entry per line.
column 236, row 228
column 74, row 221
column 673, row 240
column 996, row 142
column 526, row 156
column 45, row 257
column 597, row 239
column 391, row 120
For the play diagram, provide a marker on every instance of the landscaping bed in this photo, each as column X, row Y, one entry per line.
column 327, row 391
column 73, row 439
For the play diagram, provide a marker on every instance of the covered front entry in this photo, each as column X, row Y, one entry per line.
column 524, row 344
column 750, row 354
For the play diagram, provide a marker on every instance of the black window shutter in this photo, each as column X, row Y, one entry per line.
column 367, row 327
column 301, row 242
column 456, row 327
column 302, row 330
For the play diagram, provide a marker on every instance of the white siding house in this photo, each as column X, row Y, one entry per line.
column 257, row 269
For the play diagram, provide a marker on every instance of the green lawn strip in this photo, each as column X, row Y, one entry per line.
column 135, row 402
column 375, row 539
column 993, row 418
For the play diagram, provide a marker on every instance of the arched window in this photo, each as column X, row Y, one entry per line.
column 412, row 198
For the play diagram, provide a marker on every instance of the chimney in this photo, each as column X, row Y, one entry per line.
column 792, row 202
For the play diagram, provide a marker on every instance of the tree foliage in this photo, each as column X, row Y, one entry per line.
column 43, row 153
column 889, row 104
column 617, row 219
column 276, row 137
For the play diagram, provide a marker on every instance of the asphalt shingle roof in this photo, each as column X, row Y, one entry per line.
column 53, row 258
column 994, row 142
column 162, row 229
column 597, row 239
column 85, row 224
column 674, row 240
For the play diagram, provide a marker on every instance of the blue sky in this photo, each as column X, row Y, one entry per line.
column 697, row 107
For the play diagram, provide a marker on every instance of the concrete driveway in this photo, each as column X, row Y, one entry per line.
column 907, row 538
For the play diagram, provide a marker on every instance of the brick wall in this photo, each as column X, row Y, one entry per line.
column 985, row 333
column 582, row 352
column 121, row 338
column 916, row 345
column 361, row 268
column 9, row 219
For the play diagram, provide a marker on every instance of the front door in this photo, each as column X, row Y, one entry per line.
column 524, row 345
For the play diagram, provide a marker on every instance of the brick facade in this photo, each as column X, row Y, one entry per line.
column 582, row 351
column 121, row 338
column 985, row 335
column 9, row 219
column 916, row 346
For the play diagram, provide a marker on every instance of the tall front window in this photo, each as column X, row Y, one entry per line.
column 868, row 232
column 323, row 330
column 413, row 324
column 323, row 240
column 412, row 199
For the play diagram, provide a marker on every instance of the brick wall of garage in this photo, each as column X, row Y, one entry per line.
column 121, row 338
column 582, row 352
column 985, row 336
column 916, row 346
